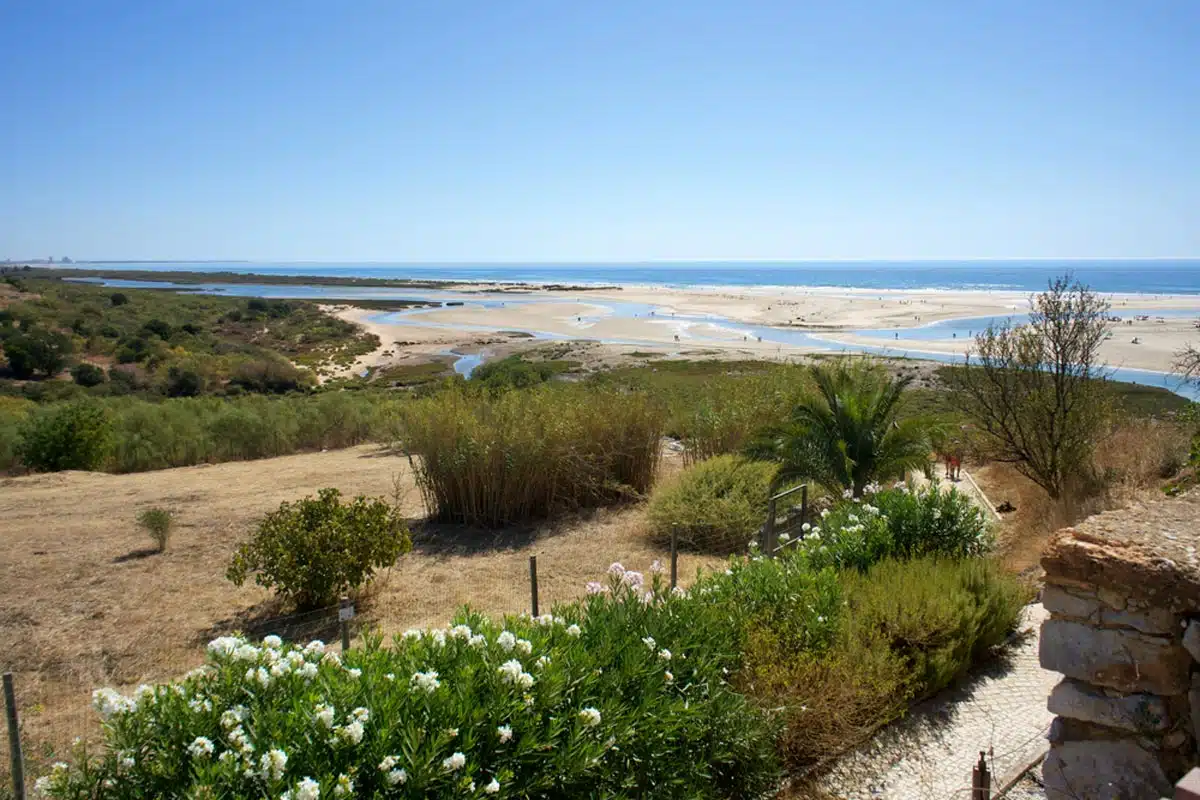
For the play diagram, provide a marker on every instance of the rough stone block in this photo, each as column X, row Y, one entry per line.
column 1067, row 603
column 1191, row 639
column 1151, row 620
column 1109, row 770
column 1141, row 713
column 1121, row 659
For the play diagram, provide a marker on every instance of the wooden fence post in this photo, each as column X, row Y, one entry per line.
column 345, row 614
column 981, row 779
column 16, row 763
column 769, row 532
column 533, row 589
column 803, row 505
column 674, row 554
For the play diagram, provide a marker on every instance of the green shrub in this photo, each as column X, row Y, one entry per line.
column 13, row 412
column 87, row 375
column 269, row 376
column 157, row 522
column 907, row 630
column 70, row 436
column 118, row 299
column 716, row 505
column 616, row 696
column 515, row 372
column 314, row 551
column 527, row 455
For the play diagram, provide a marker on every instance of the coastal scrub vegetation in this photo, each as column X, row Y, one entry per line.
column 178, row 343
column 769, row 665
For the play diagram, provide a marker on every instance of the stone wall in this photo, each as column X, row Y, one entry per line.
column 1123, row 592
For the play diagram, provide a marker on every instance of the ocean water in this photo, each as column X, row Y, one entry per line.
column 1150, row 276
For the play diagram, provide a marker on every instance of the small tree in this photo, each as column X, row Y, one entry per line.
column 72, row 436
column 35, row 351
column 118, row 299
column 314, row 551
column 157, row 522
column 1034, row 390
column 1187, row 363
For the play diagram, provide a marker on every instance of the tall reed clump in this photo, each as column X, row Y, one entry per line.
column 523, row 456
column 723, row 414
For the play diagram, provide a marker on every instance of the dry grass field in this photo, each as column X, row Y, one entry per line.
column 84, row 603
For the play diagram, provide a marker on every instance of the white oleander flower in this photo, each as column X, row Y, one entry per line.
column 272, row 764
column 454, row 763
column 413, row 634
column 314, row 647
column 545, row 620
column 224, row 645
column 574, row 631
column 649, row 642
column 460, row 632
column 492, row 788
column 396, row 777
column 308, row 789
column 542, row 662
column 425, row 681
column 633, row 579
column 200, row 747
column 524, row 646
column 590, row 717
column 331, row 658
column 670, row 678
column 246, row 652
column 109, row 702
column 273, row 642
column 324, row 714
column 352, row 733
column 664, row 655
column 354, row 672
column 308, row 671
column 361, row 714
column 478, row 641
column 506, row 641
column 595, row 587
column 344, row 786
column 615, row 568
column 505, row 733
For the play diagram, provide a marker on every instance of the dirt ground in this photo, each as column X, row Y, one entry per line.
column 84, row 603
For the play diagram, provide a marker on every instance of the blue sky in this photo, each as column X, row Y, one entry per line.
column 518, row 130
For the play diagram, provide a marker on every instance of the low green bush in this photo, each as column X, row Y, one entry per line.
column 88, row 375
column 619, row 696
column 907, row 629
column 716, row 505
column 314, row 551
column 157, row 522
column 70, row 436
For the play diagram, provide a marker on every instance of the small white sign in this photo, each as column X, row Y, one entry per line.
column 345, row 613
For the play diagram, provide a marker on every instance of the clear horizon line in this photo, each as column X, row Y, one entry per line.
column 689, row 260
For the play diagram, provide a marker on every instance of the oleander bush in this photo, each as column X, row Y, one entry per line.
column 717, row 505
column 527, row 455
column 897, row 523
column 620, row 695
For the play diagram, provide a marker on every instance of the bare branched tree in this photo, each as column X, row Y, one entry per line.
column 1187, row 363
column 1034, row 389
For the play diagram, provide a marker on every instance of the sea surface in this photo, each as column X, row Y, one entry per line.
column 1146, row 276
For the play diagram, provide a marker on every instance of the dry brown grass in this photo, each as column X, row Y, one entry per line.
column 83, row 604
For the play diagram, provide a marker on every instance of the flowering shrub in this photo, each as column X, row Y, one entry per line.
column 894, row 523
column 313, row 551
column 621, row 695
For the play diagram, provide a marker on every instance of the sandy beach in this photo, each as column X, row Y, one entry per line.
column 658, row 319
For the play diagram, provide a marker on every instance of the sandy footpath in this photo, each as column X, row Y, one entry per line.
column 832, row 314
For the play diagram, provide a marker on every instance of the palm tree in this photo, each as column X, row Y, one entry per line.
column 847, row 435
